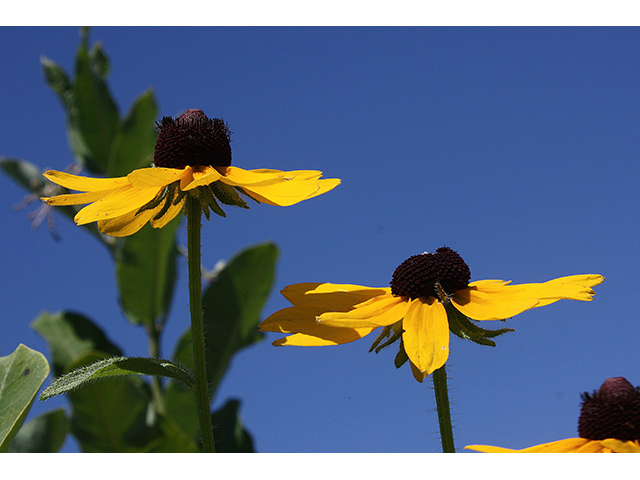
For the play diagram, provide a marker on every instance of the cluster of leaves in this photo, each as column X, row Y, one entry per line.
column 124, row 411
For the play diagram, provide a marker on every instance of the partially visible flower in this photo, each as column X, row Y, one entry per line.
column 429, row 296
column 192, row 157
column 609, row 423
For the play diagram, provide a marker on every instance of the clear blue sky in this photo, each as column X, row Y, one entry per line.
column 519, row 148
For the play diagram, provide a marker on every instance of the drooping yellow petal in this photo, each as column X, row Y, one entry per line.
column 169, row 215
column 568, row 445
column 198, row 177
column 301, row 321
column 426, row 334
column 124, row 225
column 239, row 177
column 491, row 301
column 84, row 184
column 155, row 177
column 75, row 198
column 329, row 297
column 376, row 312
column 497, row 300
column 125, row 199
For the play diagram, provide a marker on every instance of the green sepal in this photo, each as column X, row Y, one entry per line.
column 227, row 194
column 388, row 331
column 208, row 200
column 114, row 366
column 401, row 356
column 464, row 328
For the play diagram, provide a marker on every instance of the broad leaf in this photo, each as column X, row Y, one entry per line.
column 146, row 265
column 44, row 434
column 24, row 173
column 228, row 431
column 135, row 139
column 21, row 376
column 116, row 366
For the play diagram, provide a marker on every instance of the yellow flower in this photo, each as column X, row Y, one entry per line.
column 430, row 295
column 192, row 157
column 609, row 423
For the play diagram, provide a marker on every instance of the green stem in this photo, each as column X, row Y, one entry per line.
column 197, row 329
column 444, row 413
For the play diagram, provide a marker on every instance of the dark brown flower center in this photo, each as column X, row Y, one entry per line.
column 611, row 412
column 417, row 275
column 192, row 139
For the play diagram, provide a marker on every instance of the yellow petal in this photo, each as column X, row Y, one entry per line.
column 238, row 177
column 491, row 301
column 620, row 446
column 568, row 445
column 379, row 311
column 329, row 297
column 169, row 215
column 124, row 200
column 198, row 177
column 75, row 198
column 155, row 177
column 301, row 321
column 426, row 334
column 124, row 225
column 84, row 184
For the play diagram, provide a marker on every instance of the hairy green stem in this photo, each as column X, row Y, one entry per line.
column 197, row 329
column 444, row 413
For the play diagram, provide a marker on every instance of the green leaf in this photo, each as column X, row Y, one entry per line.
column 115, row 366
column 146, row 265
column 95, row 116
column 232, row 304
column 135, row 139
column 44, row 434
column 229, row 433
column 21, row 376
column 69, row 336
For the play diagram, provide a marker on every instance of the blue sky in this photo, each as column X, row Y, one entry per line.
column 517, row 147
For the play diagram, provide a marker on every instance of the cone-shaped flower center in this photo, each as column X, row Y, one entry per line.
column 611, row 412
column 417, row 275
column 192, row 139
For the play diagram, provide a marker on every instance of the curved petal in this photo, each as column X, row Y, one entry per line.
column 169, row 215
column 491, row 301
column 497, row 300
column 426, row 334
column 124, row 225
column 239, row 177
column 84, row 184
column 330, row 297
column 76, row 198
column 379, row 311
column 568, row 445
column 124, row 200
column 155, row 177
column 289, row 193
column 620, row 446
column 301, row 321
column 198, row 177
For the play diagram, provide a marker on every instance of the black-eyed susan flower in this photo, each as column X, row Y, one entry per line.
column 429, row 296
column 609, row 423
column 192, row 157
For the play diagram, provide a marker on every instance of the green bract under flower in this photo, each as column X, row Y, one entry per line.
column 192, row 157
column 430, row 295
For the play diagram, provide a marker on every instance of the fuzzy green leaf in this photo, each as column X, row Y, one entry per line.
column 21, row 376
column 115, row 366
column 464, row 328
column 230, row 435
